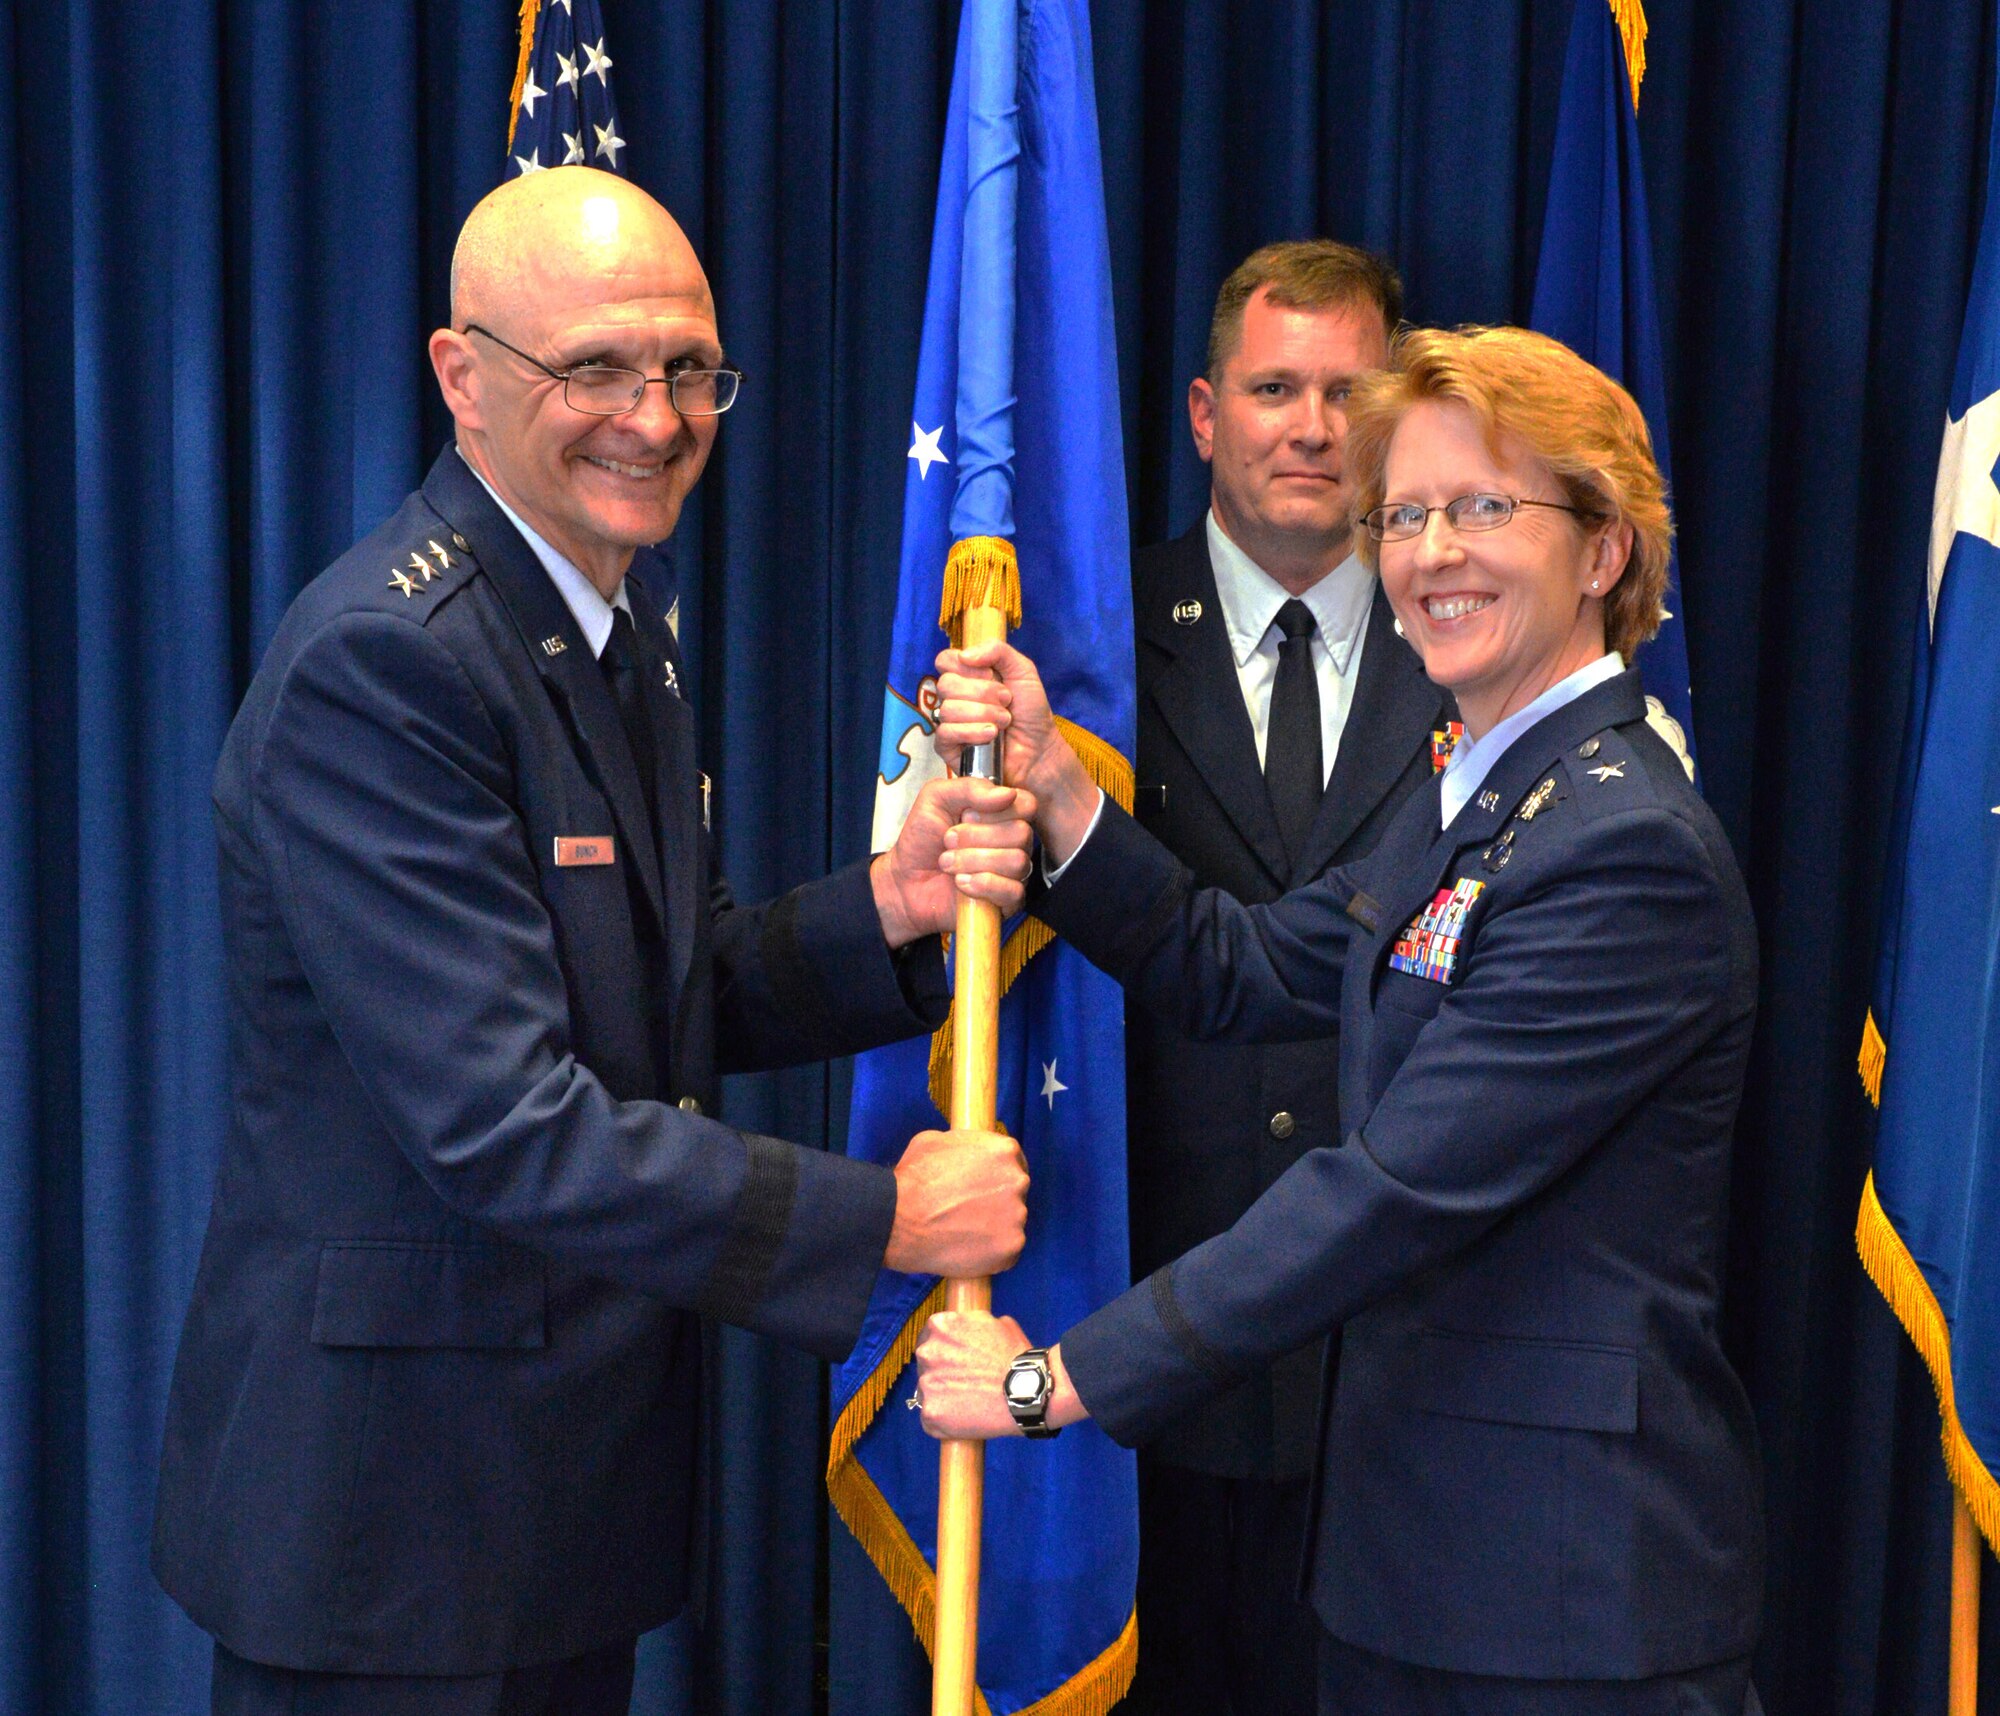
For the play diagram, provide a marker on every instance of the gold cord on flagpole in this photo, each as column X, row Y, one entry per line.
column 530, row 10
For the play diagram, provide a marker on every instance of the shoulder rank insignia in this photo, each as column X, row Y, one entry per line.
column 1607, row 772
column 401, row 580
column 1537, row 801
column 438, row 554
column 422, row 567
column 1444, row 740
column 1429, row 947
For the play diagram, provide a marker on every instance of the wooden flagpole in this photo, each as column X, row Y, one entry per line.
column 1963, row 1697
column 975, row 1075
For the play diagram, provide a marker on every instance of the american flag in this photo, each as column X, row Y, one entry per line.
column 563, row 111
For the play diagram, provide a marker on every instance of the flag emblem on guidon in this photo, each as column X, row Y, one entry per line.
column 1929, row 1227
column 563, row 114
column 1015, row 451
column 1594, row 284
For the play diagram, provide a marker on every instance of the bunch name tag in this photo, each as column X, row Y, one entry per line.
column 1429, row 947
column 584, row 849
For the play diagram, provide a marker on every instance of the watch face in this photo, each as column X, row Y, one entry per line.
column 1024, row 1387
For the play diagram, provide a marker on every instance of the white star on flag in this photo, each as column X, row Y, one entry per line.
column 1966, row 498
column 1051, row 1084
column 608, row 144
column 596, row 61
column 531, row 92
column 573, row 151
column 568, row 73
column 925, row 449
column 530, row 163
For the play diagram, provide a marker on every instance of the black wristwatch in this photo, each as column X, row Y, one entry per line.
column 1030, row 1385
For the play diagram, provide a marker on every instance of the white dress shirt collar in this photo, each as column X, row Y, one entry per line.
column 1472, row 760
column 1251, row 598
column 579, row 594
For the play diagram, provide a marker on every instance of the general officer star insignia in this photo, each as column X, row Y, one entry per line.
column 401, row 580
column 1608, row 772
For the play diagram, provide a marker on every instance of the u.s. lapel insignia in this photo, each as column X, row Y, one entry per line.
column 422, row 567
column 555, row 645
column 401, row 580
column 1429, row 946
column 438, row 554
column 1607, row 772
column 1187, row 612
column 1537, row 801
column 671, row 680
column 1444, row 740
column 1489, row 800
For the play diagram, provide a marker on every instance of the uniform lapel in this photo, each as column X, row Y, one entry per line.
column 1531, row 758
column 556, row 645
column 674, row 789
column 1394, row 712
column 1196, row 694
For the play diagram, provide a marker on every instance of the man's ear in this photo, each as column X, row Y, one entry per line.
column 1201, row 416
column 452, row 362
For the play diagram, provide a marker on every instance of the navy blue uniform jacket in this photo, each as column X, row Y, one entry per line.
column 1198, row 1115
column 1536, row 1460
column 436, row 1400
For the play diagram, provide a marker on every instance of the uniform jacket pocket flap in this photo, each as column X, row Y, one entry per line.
column 1553, row 1385
column 388, row 1294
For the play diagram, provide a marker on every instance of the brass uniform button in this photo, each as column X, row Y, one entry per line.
column 1282, row 1124
column 689, row 1105
column 460, row 543
column 1587, row 749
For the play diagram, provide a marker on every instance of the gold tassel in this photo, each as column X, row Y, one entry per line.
column 1631, row 17
column 981, row 572
column 1874, row 1056
column 1894, row 1271
column 530, row 10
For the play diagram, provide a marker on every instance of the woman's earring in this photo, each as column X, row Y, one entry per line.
column 1594, row 583
column 1399, row 630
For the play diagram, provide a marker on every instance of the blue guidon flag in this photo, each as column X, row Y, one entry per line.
column 563, row 112
column 1014, row 496
column 1594, row 283
column 1929, row 1228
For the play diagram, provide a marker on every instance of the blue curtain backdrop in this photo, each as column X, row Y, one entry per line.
column 224, row 229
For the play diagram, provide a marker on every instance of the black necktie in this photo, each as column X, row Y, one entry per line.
column 622, row 669
column 1292, row 769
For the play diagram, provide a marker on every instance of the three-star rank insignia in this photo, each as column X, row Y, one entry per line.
column 1537, row 801
column 401, row 580
column 438, row 554
column 1444, row 740
column 422, row 567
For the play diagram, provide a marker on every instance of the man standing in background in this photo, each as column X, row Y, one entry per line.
column 1281, row 723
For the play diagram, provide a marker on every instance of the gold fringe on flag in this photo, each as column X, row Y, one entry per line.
column 1894, row 1271
column 981, row 572
column 1631, row 18
column 1874, row 1056
column 865, row 1511
column 1107, row 767
column 530, row 10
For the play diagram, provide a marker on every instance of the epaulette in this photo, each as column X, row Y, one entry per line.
column 418, row 567
column 1605, row 776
